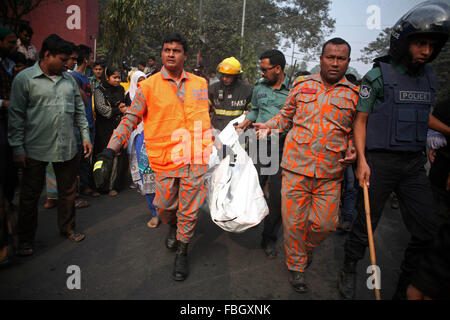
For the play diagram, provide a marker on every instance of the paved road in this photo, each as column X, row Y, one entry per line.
column 122, row 258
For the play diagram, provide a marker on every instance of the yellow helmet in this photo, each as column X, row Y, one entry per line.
column 230, row 66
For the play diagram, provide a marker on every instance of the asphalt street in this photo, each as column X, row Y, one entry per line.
column 121, row 258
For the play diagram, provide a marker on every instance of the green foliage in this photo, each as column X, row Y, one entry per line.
column 121, row 19
column 376, row 48
column 306, row 22
column 212, row 30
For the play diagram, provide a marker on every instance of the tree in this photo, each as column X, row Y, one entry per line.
column 376, row 48
column 306, row 23
column 122, row 21
column 12, row 11
column 213, row 35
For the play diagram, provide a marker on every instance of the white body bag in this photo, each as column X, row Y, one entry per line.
column 235, row 199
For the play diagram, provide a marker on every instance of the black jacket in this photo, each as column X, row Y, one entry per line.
column 228, row 102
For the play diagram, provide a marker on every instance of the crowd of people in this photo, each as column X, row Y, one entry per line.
column 326, row 134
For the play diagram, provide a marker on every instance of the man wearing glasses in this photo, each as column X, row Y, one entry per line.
column 269, row 96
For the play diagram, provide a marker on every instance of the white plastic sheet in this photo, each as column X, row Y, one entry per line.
column 236, row 201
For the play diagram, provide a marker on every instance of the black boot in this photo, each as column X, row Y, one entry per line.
column 347, row 279
column 298, row 282
column 180, row 267
column 171, row 240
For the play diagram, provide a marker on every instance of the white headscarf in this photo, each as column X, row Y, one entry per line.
column 133, row 83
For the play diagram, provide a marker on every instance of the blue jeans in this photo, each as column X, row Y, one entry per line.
column 349, row 196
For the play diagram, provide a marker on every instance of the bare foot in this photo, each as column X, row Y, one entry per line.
column 153, row 222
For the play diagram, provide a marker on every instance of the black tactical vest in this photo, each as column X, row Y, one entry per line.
column 400, row 123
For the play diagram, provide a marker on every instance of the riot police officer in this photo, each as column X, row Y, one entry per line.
column 390, row 133
column 230, row 97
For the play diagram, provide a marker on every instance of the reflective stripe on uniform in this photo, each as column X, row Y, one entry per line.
column 98, row 165
column 228, row 112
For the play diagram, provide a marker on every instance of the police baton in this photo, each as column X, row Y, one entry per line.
column 371, row 243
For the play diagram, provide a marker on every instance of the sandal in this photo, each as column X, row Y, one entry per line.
column 113, row 193
column 80, row 203
column 153, row 222
column 74, row 236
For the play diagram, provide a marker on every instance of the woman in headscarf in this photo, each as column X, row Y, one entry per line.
column 109, row 100
column 136, row 77
column 141, row 173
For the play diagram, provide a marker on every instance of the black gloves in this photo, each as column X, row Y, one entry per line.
column 102, row 168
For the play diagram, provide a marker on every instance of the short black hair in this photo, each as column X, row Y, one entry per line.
column 152, row 57
column 56, row 45
column 142, row 63
column 98, row 63
column 275, row 57
column 74, row 48
column 25, row 27
column 337, row 41
column 83, row 53
column 176, row 37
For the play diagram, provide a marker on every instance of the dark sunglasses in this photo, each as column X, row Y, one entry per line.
column 264, row 70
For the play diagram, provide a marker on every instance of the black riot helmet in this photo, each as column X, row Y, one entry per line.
column 430, row 18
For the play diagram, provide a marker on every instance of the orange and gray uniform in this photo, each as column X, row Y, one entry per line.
column 178, row 142
column 322, row 129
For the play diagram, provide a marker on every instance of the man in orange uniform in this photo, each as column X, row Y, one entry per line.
column 321, row 108
column 174, row 107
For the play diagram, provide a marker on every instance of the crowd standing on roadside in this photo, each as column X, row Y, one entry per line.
column 80, row 127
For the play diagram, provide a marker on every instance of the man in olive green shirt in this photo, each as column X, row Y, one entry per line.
column 45, row 104
column 269, row 97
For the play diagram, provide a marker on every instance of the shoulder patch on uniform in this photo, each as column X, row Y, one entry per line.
column 301, row 79
column 365, row 91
